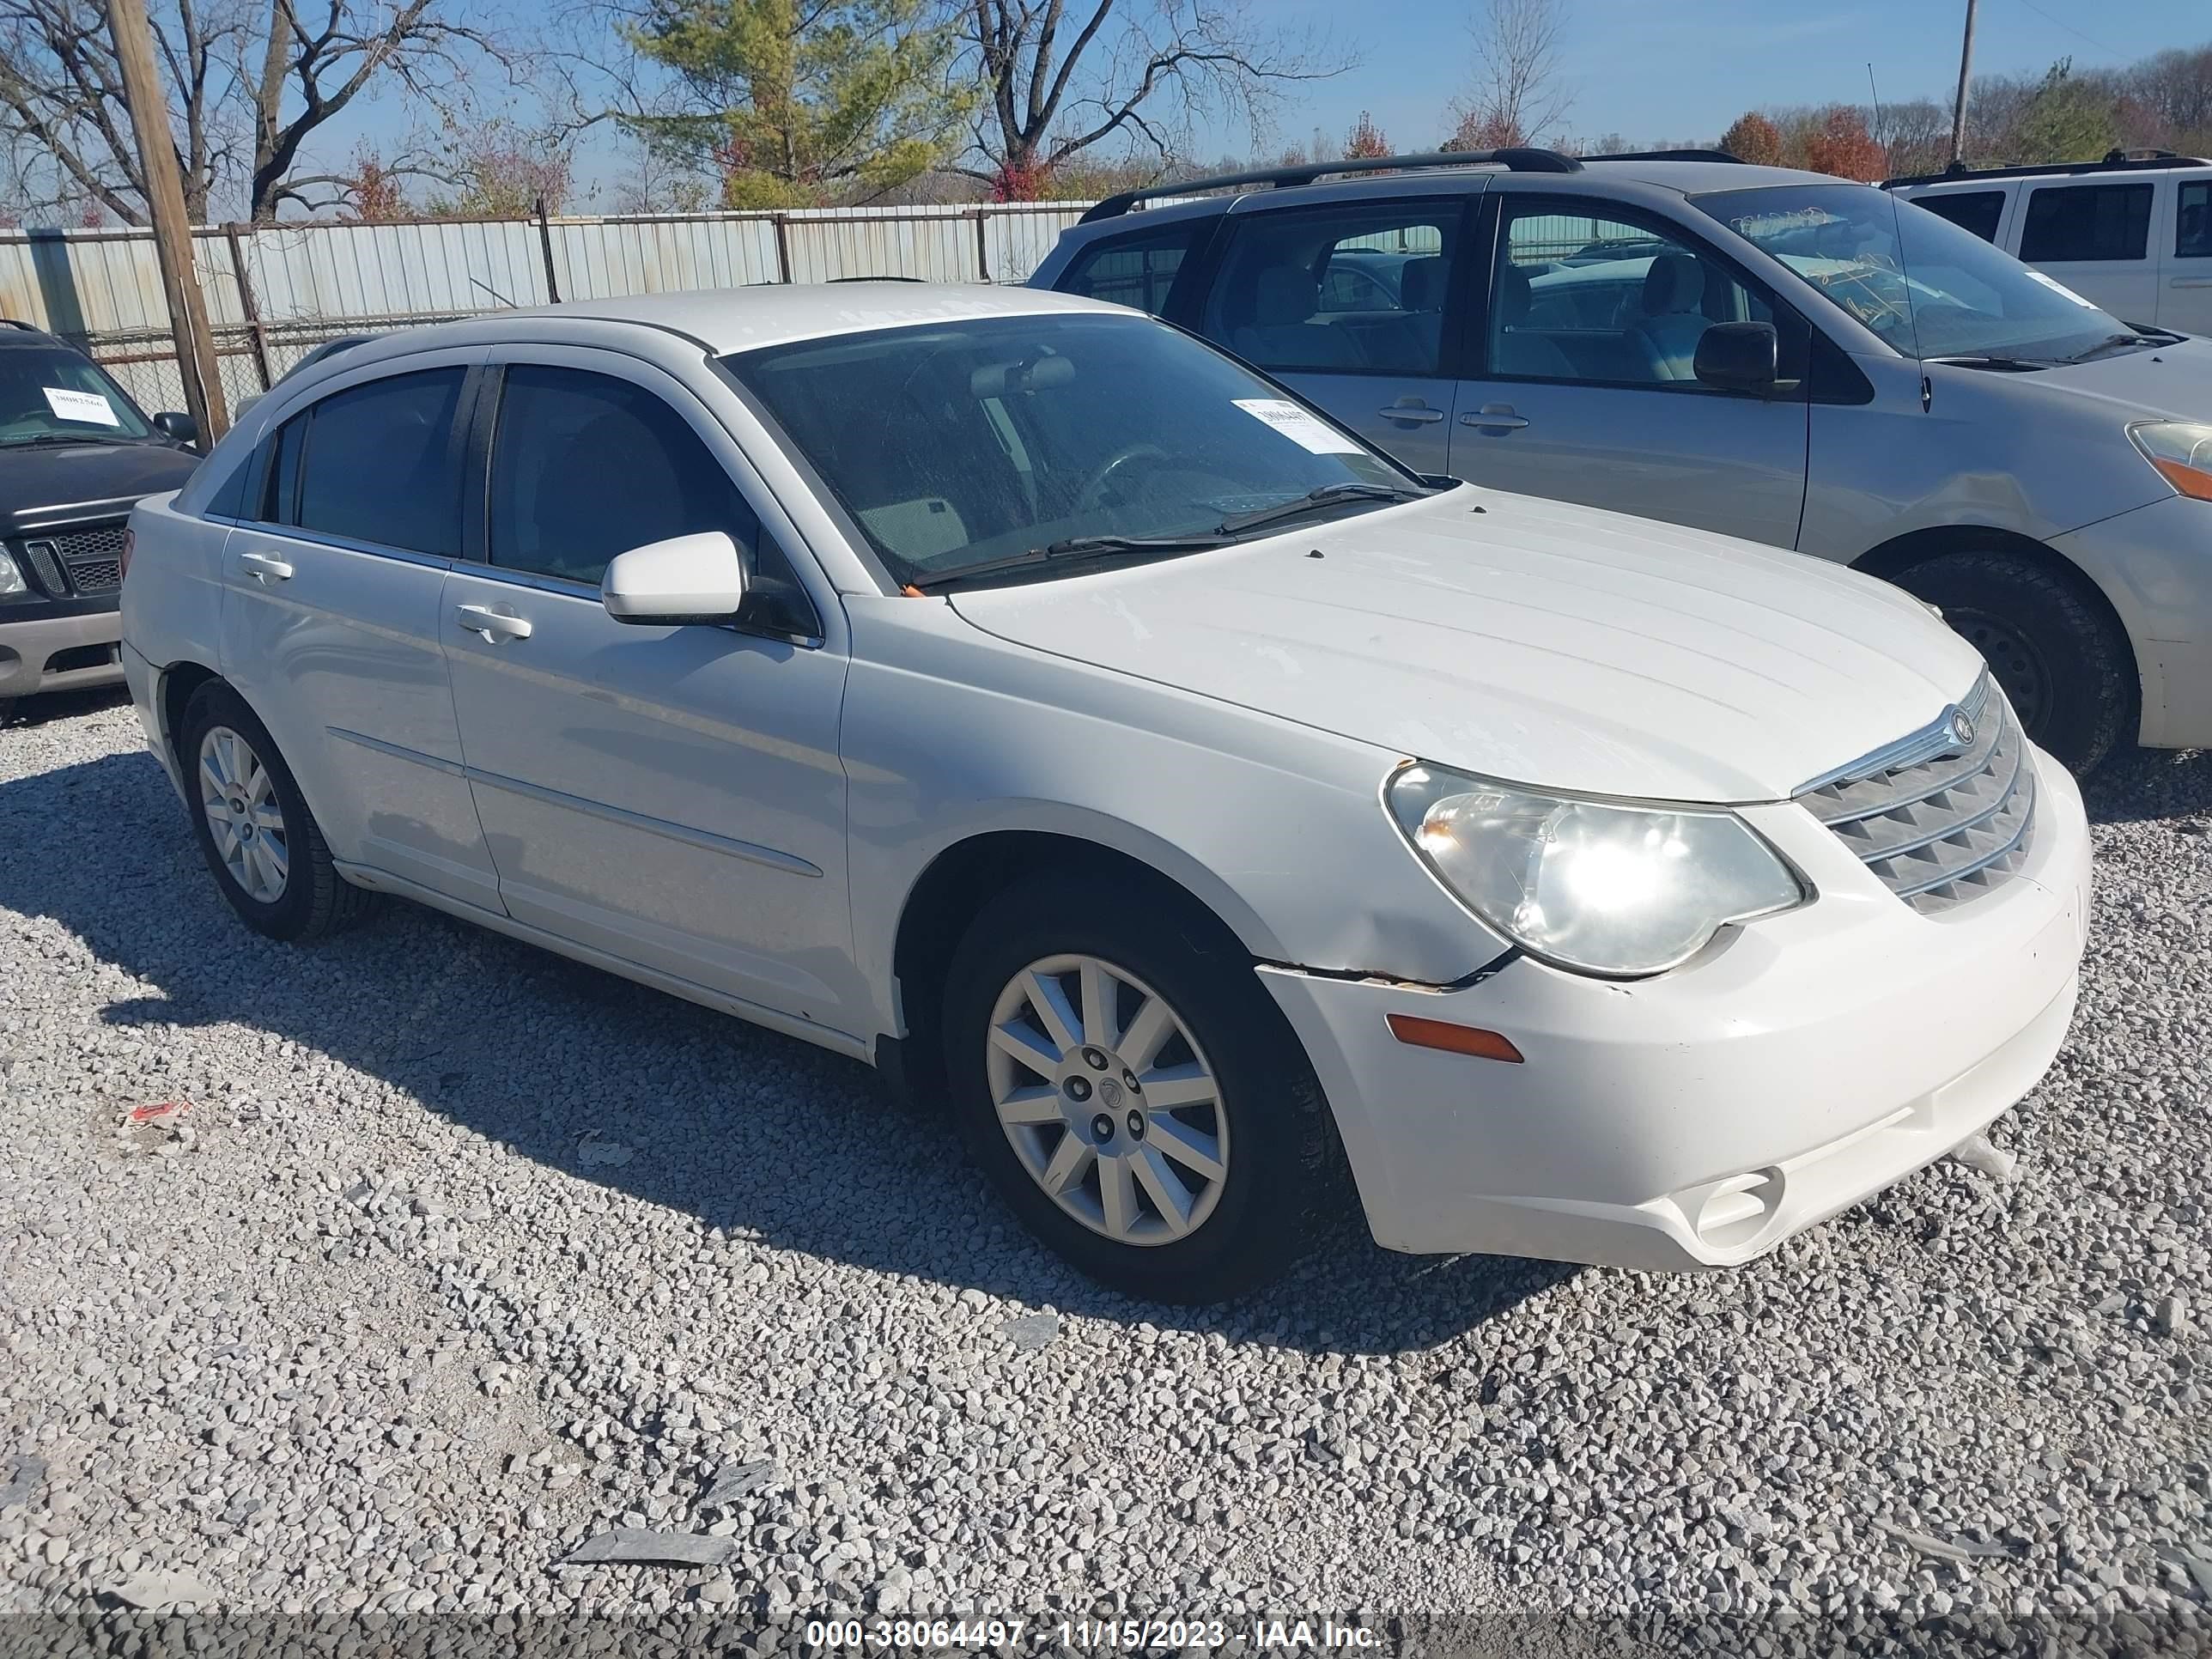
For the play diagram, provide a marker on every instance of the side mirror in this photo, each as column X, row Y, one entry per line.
column 172, row 424
column 700, row 577
column 1740, row 358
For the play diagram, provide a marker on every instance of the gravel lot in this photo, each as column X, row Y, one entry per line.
column 463, row 1255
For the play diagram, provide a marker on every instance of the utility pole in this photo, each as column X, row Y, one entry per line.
column 1959, row 109
column 165, row 203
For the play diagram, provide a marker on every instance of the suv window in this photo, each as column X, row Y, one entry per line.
column 2192, row 230
column 1137, row 272
column 376, row 463
column 2086, row 221
column 1978, row 211
column 1582, row 297
column 585, row 466
column 1357, row 289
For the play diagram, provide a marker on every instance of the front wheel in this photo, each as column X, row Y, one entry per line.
column 2064, row 664
column 1138, row 1100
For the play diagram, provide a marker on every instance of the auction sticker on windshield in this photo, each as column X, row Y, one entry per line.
column 1294, row 423
column 79, row 406
column 2059, row 288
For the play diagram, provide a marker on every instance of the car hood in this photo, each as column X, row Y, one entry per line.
column 68, row 483
column 1527, row 640
column 2173, row 380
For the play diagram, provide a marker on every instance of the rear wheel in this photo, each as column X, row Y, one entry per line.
column 1139, row 1101
column 2063, row 663
column 262, row 845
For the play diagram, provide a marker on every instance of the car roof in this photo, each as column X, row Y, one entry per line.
column 13, row 332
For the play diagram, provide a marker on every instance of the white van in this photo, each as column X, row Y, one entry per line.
column 2133, row 235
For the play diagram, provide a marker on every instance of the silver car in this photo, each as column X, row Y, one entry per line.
column 1778, row 356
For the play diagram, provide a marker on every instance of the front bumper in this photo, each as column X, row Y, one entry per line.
column 2154, row 563
column 29, row 644
column 1697, row 1119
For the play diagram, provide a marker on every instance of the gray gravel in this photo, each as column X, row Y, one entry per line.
column 463, row 1256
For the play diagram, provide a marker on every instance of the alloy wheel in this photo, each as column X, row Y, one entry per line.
column 239, row 797
column 1107, row 1100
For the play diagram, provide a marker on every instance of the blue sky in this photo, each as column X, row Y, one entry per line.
column 1649, row 69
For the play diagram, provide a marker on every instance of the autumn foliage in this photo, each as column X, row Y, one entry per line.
column 1365, row 141
column 1755, row 139
column 1842, row 146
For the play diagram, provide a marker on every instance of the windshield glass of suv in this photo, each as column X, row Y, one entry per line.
column 48, row 393
column 967, row 443
column 1927, row 287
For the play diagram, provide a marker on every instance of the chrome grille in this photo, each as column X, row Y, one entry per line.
column 1940, row 822
column 41, row 555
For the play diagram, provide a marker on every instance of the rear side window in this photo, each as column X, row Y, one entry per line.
column 2192, row 231
column 1137, row 272
column 2086, row 221
column 564, row 436
column 378, row 463
column 1978, row 211
column 1352, row 289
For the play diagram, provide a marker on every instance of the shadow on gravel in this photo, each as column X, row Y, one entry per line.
column 744, row 1129
column 2139, row 784
column 47, row 709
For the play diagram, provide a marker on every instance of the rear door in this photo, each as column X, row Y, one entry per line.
column 330, row 622
column 2186, row 301
column 1350, row 303
column 2097, row 240
column 1582, row 387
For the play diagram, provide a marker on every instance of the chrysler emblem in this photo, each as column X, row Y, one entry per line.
column 1962, row 729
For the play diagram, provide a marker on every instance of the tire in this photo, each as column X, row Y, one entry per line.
column 222, row 743
column 2063, row 662
column 1278, row 1180
column 7, row 710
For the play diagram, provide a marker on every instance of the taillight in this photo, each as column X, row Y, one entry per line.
column 123, row 559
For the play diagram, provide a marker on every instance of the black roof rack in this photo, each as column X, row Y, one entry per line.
column 1684, row 154
column 1516, row 159
column 12, row 322
column 2119, row 161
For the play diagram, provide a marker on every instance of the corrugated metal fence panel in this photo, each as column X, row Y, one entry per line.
column 598, row 258
column 1015, row 239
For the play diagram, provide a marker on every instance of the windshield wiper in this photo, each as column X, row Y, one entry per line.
column 2004, row 365
column 63, row 438
column 1327, row 496
column 2110, row 343
column 1075, row 547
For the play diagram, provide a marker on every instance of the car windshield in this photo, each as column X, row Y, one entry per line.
column 49, row 393
column 1927, row 287
column 970, row 444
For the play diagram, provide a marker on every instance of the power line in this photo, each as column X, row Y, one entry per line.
column 2062, row 23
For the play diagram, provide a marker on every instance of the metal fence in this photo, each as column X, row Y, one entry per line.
column 273, row 292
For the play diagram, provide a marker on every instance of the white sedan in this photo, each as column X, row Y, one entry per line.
column 1014, row 693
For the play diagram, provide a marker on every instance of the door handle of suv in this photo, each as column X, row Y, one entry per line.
column 265, row 568
column 494, row 625
column 1419, row 414
column 2190, row 282
column 1495, row 418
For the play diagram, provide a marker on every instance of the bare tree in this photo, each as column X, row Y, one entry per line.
column 1142, row 71
column 250, row 81
column 1517, row 96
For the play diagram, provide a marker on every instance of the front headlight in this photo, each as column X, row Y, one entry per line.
column 1599, row 887
column 2182, row 453
column 11, row 579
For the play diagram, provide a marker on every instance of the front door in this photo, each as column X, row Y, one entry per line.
column 330, row 622
column 1586, row 389
column 670, row 796
column 1347, row 304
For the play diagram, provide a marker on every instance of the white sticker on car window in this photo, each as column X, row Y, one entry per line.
column 2057, row 287
column 1300, row 427
column 88, row 406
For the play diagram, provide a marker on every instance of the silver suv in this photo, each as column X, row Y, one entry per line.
column 1775, row 355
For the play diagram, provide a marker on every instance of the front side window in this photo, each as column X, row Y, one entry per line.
column 1355, row 289
column 2086, row 221
column 1927, row 288
column 959, row 445
column 51, row 395
column 2192, row 230
column 585, row 466
column 1978, row 211
column 1578, row 296
column 378, row 463
column 1137, row 272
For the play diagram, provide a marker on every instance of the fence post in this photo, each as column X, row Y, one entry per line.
column 249, row 307
column 545, row 246
column 782, row 247
column 982, row 246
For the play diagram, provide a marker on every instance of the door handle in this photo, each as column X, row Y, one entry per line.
column 493, row 625
column 1495, row 418
column 2190, row 282
column 265, row 568
column 1419, row 414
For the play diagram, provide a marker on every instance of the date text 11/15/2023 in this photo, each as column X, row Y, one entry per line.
column 1116, row 1635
